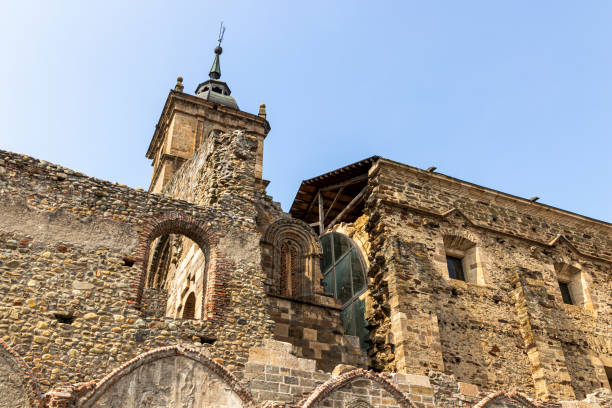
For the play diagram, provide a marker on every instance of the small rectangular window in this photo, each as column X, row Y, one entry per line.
column 455, row 268
column 565, row 293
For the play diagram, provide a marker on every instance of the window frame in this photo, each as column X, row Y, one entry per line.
column 566, row 293
column 335, row 262
column 456, row 261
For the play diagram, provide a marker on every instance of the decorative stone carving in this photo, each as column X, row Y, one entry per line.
column 291, row 253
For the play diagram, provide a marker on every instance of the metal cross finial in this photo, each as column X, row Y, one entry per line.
column 221, row 32
column 215, row 70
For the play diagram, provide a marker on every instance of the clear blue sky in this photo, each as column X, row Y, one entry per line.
column 511, row 95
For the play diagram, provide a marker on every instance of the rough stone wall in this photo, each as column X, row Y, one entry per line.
column 70, row 297
column 220, row 175
column 490, row 334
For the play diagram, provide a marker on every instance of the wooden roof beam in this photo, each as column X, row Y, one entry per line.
column 314, row 199
column 345, row 183
column 333, row 202
column 349, row 207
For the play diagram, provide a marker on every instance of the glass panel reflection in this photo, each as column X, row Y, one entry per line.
column 341, row 245
column 344, row 277
column 326, row 259
column 358, row 272
column 348, row 320
column 328, row 283
column 343, row 280
column 361, row 323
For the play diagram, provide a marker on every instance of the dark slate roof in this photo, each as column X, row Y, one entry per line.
column 218, row 98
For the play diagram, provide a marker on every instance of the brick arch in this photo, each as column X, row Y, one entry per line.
column 198, row 231
column 327, row 388
column 503, row 395
column 178, row 350
column 29, row 383
column 295, row 234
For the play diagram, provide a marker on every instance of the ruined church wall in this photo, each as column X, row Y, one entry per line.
column 71, row 253
column 511, row 329
column 275, row 376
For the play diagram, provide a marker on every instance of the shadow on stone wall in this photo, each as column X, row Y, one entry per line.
column 18, row 387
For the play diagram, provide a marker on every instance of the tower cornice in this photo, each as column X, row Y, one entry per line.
column 172, row 105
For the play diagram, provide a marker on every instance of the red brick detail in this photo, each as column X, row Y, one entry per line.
column 197, row 230
column 30, row 383
column 512, row 396
column 67, row 397
column 164, row 352
column 324, row 390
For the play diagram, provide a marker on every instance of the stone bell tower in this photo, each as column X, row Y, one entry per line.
column 188, row 120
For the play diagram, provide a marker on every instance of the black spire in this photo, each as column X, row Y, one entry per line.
column 215, row 70
column 215, row 90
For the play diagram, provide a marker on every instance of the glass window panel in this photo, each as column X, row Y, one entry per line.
column 348, row 320
column 343, row 280
column 361, row 323
column 328, row 283
column 455, row 269
column 326, row 260
column 341, row 245
column 358, row 272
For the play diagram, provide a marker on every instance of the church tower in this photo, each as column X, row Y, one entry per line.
column 188, row 120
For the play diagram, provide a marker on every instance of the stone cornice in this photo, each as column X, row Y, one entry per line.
column 170, row 107
column 445, row 214
column 542, row 209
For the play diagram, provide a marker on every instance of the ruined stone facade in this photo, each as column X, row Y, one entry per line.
column 384, row 286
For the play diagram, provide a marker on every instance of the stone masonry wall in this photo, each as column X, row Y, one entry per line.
column 275, row 376
column 512, row 331
column 72, row 252
column 185, row 122
column 315, row 331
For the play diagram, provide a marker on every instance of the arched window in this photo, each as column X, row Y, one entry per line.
column 189, row 308
column 344, row 277
column 176, row 265
column 289, row 269
column 290, row 258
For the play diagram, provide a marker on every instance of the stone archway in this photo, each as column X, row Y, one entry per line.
column 169, row 377
column 323, row 391
column 503, row 399
column 196, row 230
